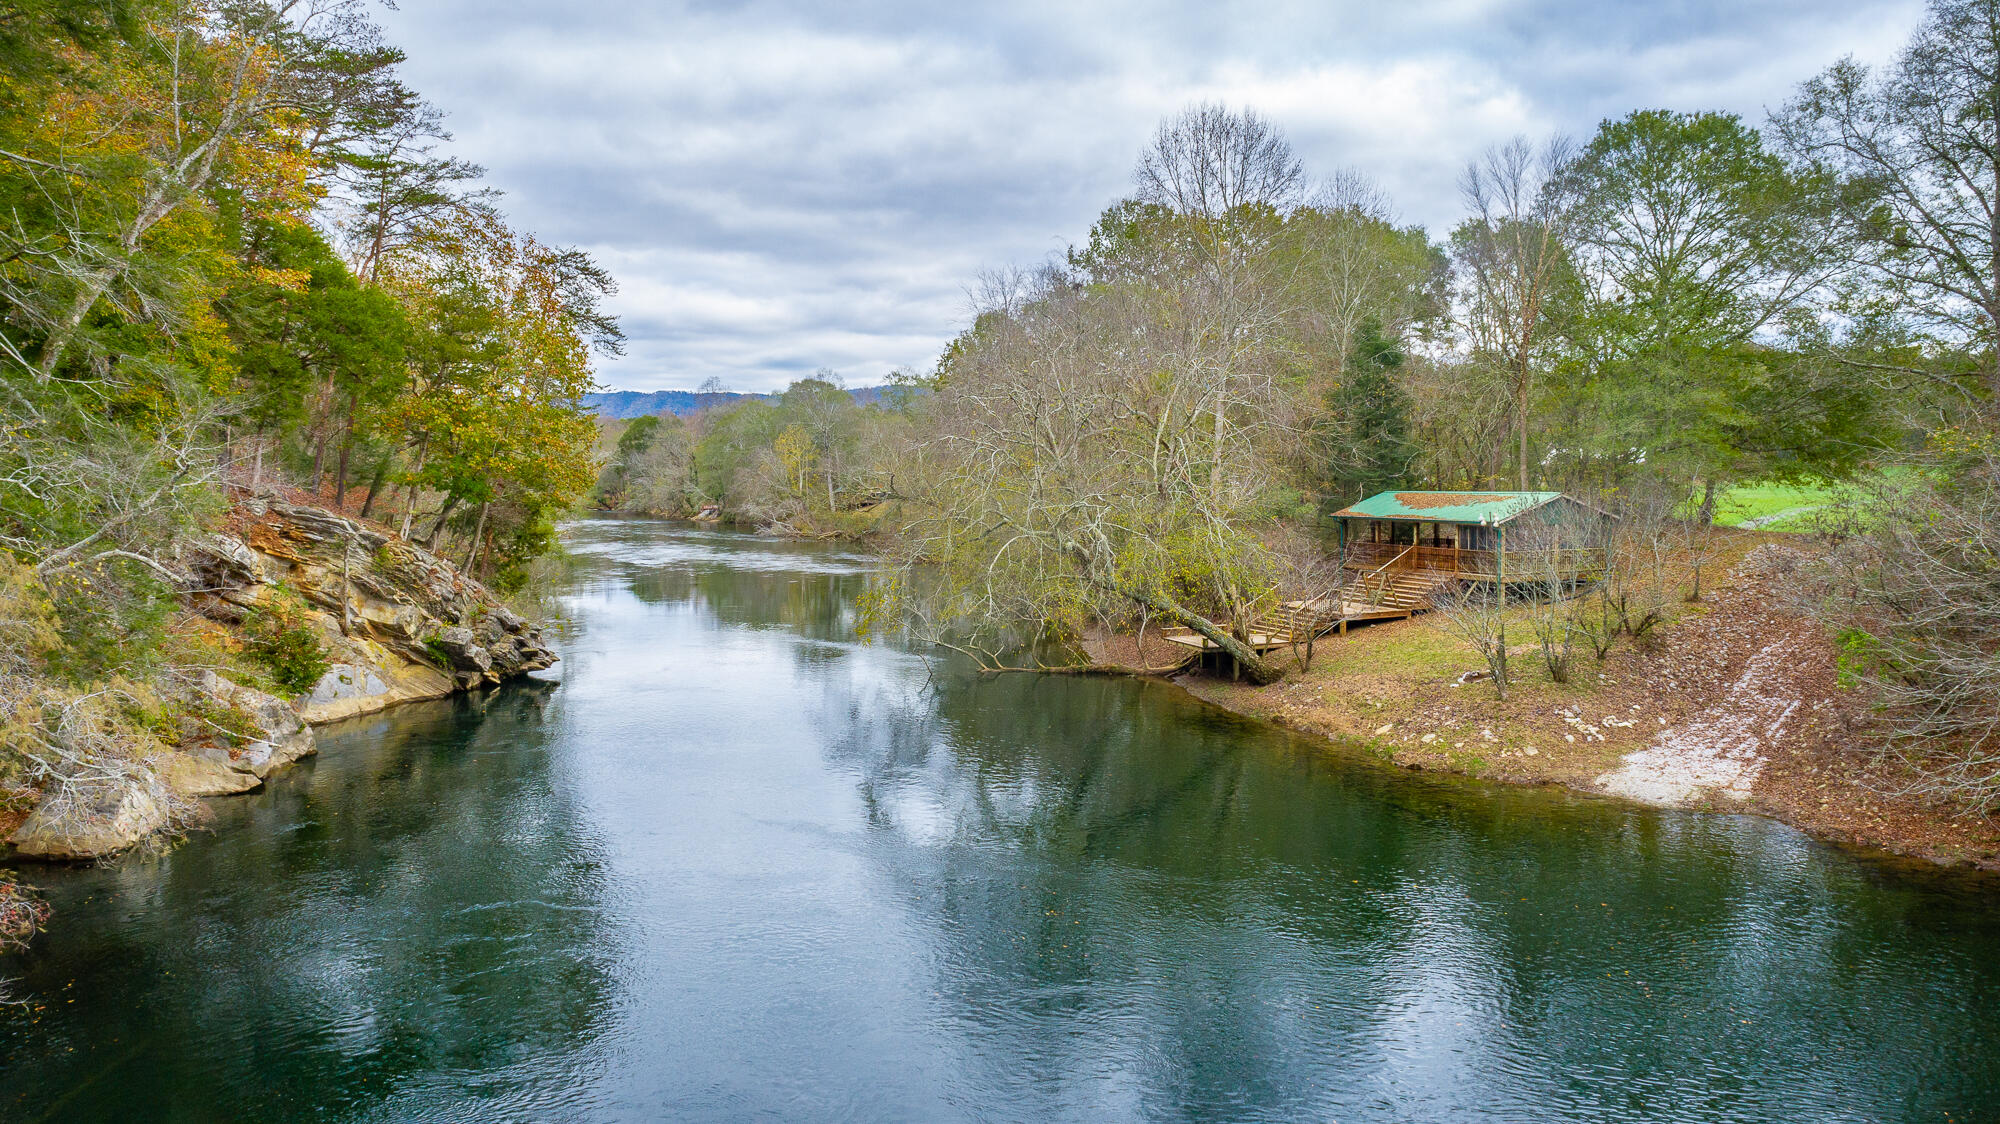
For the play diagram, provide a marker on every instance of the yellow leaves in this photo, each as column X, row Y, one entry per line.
column 794, row 449
column 290, row 280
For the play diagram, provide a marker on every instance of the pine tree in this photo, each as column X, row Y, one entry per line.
column 1367, row 446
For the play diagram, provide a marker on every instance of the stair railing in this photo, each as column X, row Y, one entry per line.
column 1377, row 592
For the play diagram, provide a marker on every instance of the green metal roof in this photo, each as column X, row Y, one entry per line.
column 1448, row 507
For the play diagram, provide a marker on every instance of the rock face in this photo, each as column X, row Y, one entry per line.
column 401, row 622
column 104, row 820
column 282, row 736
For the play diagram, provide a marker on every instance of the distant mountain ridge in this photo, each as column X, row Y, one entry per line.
column 627, row 404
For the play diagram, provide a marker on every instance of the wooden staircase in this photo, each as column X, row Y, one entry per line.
column 1295, row 622
column 1410, row 590
column 1391, row 592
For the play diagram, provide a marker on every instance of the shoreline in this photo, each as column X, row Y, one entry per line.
column 1735, row 691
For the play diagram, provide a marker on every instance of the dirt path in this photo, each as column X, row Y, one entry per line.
column 1724, row 749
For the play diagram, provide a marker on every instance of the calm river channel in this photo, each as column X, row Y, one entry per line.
column 730, row 863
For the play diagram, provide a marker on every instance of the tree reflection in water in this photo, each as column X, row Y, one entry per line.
column 738, row 863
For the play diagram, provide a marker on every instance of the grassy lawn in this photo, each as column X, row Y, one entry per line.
column 1761, row 501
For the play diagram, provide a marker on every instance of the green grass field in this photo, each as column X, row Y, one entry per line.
column 1796, row 507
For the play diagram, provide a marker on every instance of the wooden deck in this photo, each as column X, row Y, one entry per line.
column 1295, row 622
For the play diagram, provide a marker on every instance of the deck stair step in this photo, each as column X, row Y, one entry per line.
column 1403, row 589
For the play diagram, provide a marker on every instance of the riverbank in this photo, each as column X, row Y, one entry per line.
column 1735, row 706
column 291, row 616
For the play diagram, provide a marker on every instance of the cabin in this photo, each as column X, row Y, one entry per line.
column 1501, row 538
column 1402, row 550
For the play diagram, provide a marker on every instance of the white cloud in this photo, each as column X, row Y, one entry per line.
column 782, row 186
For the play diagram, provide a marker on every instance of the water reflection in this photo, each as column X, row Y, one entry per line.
column 738, row 864
column 345, row 940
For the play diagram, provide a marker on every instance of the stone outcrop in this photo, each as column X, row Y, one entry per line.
column 399, row 624
column 102, row 820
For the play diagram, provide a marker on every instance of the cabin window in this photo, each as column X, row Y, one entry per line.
column 1472, row 536
column 1403, row 534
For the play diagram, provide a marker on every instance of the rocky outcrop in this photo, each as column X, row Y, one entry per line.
column 398, row 622
column 118, row 804
column 100, row 820
column 401, row 623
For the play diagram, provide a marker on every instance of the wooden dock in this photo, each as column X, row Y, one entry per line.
column 1295, row 622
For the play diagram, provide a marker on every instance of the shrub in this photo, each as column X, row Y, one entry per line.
column 1916, row 606
column 288, row 647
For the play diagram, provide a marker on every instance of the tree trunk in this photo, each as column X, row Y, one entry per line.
column 1521, row 416
column 1215, row 470
column 1706, row 516
column 1259, row 670
column 257, row 465
column 410, row 501
column 341, row 473
column 380, row 478
column 478, row 533
column 444, row 513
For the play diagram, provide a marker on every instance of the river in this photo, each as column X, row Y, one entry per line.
column 731, row 863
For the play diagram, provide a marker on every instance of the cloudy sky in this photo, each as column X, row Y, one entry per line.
column 792, row 185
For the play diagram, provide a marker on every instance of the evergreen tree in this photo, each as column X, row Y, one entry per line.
column 1366, row 447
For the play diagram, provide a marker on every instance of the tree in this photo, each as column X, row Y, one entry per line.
column 1694, row 248
column 1209, row 163
column 205, row 96
column 1352, row 265
column 399, row 186
column 1510, row 253
column 326, row 350
column 1072, row 477
column 1916, row 152
column 1917, row 602
column 1366, row 445
column 504, row 360
column 1690, row 233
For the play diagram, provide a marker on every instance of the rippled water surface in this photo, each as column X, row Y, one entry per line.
column 736, row 865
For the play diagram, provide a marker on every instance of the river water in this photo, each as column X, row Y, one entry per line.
column 737, row 865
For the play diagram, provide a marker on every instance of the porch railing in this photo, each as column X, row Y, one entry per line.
column 1523, row 564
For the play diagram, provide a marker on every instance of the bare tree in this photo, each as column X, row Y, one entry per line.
column 1916, row 595
column 1094, row 457
column 1476, row 614
column 1509, row 252
column 1552, row 614
column 1355, row 265
column 1312, row 578
column 1917, row 148
column 1209, row 161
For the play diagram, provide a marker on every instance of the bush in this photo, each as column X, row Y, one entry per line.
column 288, row 648
column 1915, row 600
